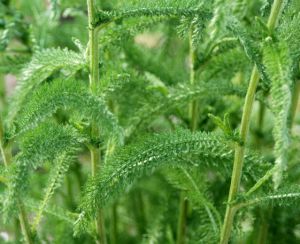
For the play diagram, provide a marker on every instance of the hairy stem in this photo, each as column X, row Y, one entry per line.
column 240, row 149
column 99, row 221
column 94, row 79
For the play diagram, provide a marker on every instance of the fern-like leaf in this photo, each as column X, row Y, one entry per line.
column 42, row 65
column 62, row 164
column 180, row 96
column 252, row 51
column 53, row 210
column 150, row 10
column 35, row 151
column 188, row 181
column 12, row 63
column 284, row 196
column 66, row 94
column 278, row 64
column 128, row 164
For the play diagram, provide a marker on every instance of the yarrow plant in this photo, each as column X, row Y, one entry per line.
column 166, row 121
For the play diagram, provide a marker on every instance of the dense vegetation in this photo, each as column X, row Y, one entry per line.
column 149, row 121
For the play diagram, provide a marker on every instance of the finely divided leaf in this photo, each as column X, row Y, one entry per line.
column 278, row 65
column 42, row 65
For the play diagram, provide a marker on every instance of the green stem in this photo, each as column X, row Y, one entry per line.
column 240, row 149
column 2, row 91
column 70, row 196
column 193, row 114
column 3, row 154
column 263, row 226
column 113, row 225
column 261, row 116
column 93, row 47
column 295, row 100
column 181, row 228
column 193, row 107
column 24, row 224
column 140, row 215
column 94, row 79
column 99, row 221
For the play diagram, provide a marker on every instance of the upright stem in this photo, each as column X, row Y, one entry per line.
column 94, row 79
column 181, row 228
column 113, row 225
column 93, row 47
column 193, row 114
column 24, row 224
column 99, row 221
column 295, row 100
column 193, row 107
column 240, row 149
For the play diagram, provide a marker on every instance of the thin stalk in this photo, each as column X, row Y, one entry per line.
column 93, row 47
column 264, row 226
column 22, row 213
column 295, row 101
column 193, row 114
column 99, row 221
column 2, row 90
column 261, row 222
column 24, row 224
column 240, row 149
column 181, row 228
column 193, row 107
column 113, row 225
column 260, row 122
column 140, row 214
column 70, row 196
column 3, row 154
column 261, row 115
column 94, row 79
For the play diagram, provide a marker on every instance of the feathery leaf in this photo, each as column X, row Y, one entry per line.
column 172, row 149
column 71, row 95
column 42, row 65
column 278, row 64
column 35, row 151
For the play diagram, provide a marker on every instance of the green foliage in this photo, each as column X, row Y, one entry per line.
column 128, row 164
column 190, row 182
column 35, row 151
column 42, row 65
column 12, row 63
column 70, row 95
column 150, row 9
column 278, row 66
column 178, row 120
column 252, row 50
column 180, row 96
column 283, row 197
column 62, row 165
